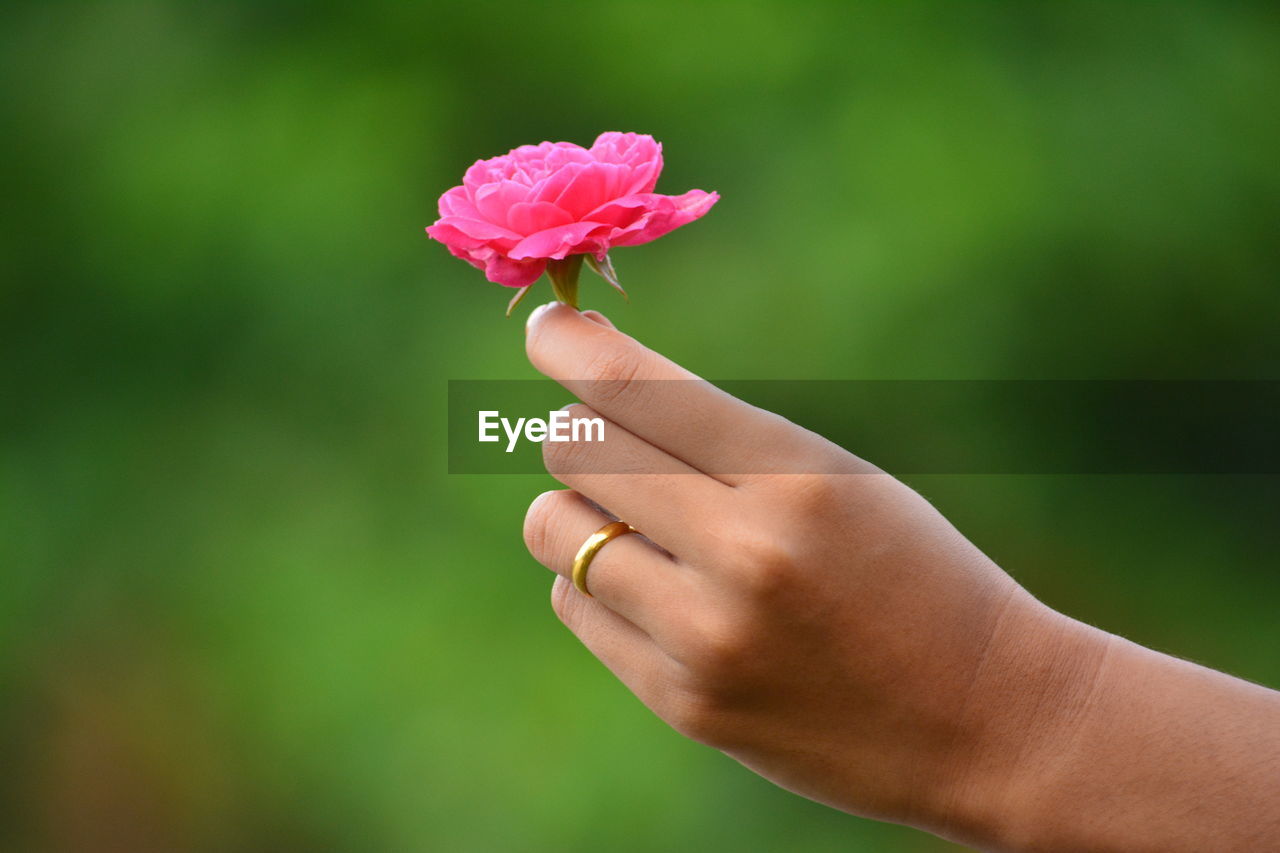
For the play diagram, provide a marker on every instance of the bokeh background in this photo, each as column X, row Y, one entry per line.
column 242, row 605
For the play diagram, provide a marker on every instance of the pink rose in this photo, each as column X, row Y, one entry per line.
column 546, row 206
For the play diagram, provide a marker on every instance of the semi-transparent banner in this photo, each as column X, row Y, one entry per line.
column 899, row 426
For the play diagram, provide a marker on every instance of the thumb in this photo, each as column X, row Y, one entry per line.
column 597, row 317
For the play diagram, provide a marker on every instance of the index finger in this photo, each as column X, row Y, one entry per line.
column 655, row 398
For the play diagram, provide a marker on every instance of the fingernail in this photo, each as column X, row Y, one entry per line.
column 536, row 313
column 597, row 317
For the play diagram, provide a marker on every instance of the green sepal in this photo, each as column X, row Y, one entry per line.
column 605, row 270
column 518, row 298
column 564, row 278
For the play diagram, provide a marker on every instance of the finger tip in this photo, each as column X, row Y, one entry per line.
column 537, row 314
column 556, row 330
column 597, row 317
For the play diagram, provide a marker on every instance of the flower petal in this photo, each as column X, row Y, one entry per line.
column 471, row 233
column 457, row 202
column 509, row 273
column 664, row 216
column 500, row 269
column 560, row 154
column 592, row 186
column 572, row 239
column 476, row 258
column 530, row 218
column 494, row 200
column 641, row 153
column 620, row 212
column 550, row 187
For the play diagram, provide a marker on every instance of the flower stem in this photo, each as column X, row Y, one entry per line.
column 564, row 278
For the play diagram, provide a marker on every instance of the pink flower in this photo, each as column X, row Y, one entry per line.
column 539, row 203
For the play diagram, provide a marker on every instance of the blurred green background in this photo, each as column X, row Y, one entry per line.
column 242, row 605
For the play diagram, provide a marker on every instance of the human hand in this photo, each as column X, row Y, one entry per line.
column 822, row 623
column 826, row 629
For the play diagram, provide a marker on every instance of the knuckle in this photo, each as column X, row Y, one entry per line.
column 701, row 716
column 565, row 602
column 613, row 373
column 567, row 456
column 761, row 558
column 730, row 538
column 720, row 651
column 768, row 569
column 811, row 494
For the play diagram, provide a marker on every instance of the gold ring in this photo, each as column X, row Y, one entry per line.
column 591, row 547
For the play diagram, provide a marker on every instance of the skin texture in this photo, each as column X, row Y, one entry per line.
column 830, row 630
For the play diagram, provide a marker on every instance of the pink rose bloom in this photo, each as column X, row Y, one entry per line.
column 547, row 202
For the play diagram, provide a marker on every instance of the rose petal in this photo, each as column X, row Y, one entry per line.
column 630, row 148
column 560, row 154
column 639, row 151
column 621, row 212
column 590, row 188
column 469, row 233
column 457, row 202
column 663, row 218
column 500, row 269
column 468, row 256
column 572, row 239
column 484, row 172
column 644, row 176
column 526, row 218
column 510, row 273
column 494, row 200
column 550, row 187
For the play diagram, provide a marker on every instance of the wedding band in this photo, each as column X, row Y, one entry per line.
column 591, row 547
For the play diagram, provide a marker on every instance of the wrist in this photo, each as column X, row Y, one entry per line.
column 1033, row 689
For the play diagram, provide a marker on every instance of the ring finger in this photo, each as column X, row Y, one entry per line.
column 628, row 575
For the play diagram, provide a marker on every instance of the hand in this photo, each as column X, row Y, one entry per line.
column 827, row 628
column 824, row 629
